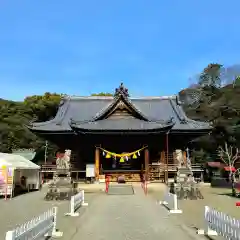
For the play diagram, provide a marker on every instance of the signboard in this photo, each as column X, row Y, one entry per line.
column 90, row 170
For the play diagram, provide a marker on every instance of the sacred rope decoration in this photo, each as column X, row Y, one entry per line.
column 123, row 156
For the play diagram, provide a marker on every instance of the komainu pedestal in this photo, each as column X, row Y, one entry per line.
column 62, row 187
column 185, row 186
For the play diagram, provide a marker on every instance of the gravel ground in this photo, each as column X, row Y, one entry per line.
column 107, row 217
column 193, row 210
column 24, row 207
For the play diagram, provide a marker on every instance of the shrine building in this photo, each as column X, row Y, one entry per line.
column 122, row 135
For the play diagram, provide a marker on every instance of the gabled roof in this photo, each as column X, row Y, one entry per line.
column 103, row 113
column 84, row 111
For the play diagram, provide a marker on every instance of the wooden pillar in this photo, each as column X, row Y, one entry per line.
column 146, row 160
column 167, row 155
column 162, row 158
column 97, row 158
column 202, row 179
column 185, row 158
column 174, row 158
column 162, row 161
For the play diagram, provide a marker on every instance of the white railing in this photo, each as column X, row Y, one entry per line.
column 218, row 223
column 39, row 227
column 171, row 202
column 76, row 202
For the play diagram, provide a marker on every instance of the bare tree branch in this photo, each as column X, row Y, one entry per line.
column 231, row 157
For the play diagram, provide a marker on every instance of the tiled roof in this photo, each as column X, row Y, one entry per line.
column 131, row 124
column 85, row 109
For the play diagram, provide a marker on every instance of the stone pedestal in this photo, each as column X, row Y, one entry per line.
column 183, row 174
column 62, row 187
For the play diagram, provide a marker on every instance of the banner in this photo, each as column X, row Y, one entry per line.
column 3, row 175
column 6, row 181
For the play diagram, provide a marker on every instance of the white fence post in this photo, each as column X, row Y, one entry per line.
column 208, row 221
column 10, row 235
column 76, row 202
column 218, row 223
column 37, row 228
column 83, row 199
column 170, row 201
column 55, row 233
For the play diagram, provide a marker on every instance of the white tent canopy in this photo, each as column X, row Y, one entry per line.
column 16, row 161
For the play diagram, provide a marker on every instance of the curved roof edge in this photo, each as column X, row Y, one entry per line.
column 121, row 125
column 73, row 97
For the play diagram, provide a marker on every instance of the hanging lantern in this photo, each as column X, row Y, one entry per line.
column 138, row 153
column 121, row 160
column 108, row 155
column 103, row 153
column 134, row 156
column 126, row 158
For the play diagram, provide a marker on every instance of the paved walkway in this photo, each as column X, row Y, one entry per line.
column 127, row 217
column 108, row 217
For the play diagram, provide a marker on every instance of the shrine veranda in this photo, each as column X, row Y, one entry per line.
column 122, row 135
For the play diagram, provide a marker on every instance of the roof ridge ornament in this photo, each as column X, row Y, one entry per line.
column 121, row 90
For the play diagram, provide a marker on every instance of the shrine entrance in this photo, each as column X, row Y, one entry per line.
column 130, row 164
column 115, row 161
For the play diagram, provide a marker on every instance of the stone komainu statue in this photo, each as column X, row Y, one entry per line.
column 63, row 161
column 180, row 158
column 62, row 187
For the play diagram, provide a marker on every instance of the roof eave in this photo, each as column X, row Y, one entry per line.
column 191, row 131
column 121, row 131
column 138, row 132
column 41, row 131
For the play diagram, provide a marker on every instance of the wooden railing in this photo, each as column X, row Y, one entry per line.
column 53, row 168
column 173, row 167
column 161, row 167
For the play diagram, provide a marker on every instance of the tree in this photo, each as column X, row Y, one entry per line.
column 192, row 95
column 102, row 94
column 229, row 155
column 211, row 76
column 231, row 74
column 237, row 81
column 204, row 86
column 14, row 116
column 213, row 96
column 42, row 108
column 200, row 156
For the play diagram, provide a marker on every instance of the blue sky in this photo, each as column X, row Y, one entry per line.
column 82, row 47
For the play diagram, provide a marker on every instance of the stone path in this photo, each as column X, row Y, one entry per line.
column 118, row 217
column 128, row 217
